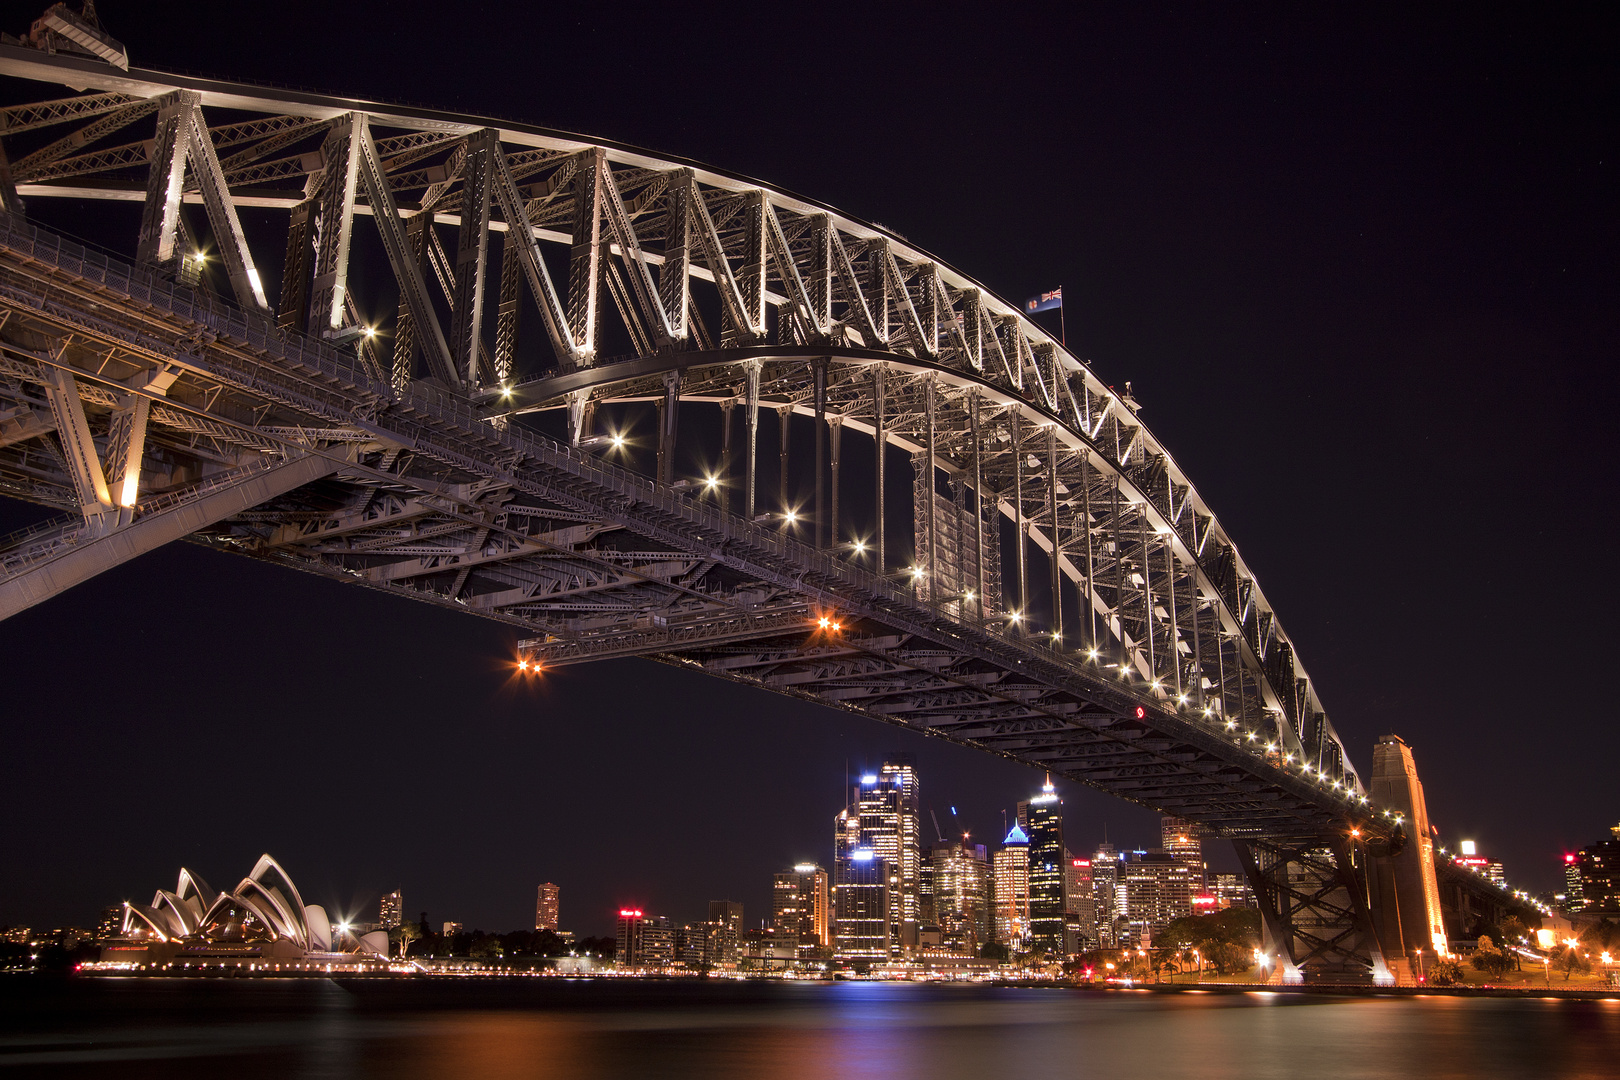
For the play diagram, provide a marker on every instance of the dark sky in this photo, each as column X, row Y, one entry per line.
column 1359, row 266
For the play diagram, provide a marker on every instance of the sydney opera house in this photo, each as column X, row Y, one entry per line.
column 262, row 925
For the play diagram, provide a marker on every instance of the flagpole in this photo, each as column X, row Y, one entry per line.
column 1063, row 323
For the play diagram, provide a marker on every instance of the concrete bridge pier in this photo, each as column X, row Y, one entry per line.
column 1405, row 894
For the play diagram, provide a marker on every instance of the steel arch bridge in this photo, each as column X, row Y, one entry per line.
column 1056, row 592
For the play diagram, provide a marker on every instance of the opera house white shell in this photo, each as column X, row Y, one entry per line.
column 263, row 919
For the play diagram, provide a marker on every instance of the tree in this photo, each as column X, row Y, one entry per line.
column 994, row 950
column 1571, row 959
column 403, row 934
column 487, row 948
column 1513, row 933
column 1490, row 959
column 1446, row 971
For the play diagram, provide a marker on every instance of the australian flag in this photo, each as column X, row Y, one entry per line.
column 1044, row 302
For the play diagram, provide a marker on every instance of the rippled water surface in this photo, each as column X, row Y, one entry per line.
column 596, row 1029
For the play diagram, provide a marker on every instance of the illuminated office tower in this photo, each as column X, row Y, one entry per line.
column 725, row 931
column 861, row 905
column 547, row 906
column 627, row 950
column 1079, row 902
column 961, row 900
column 1232, row 890
column 1574, row 900
column 799, row 907
column 657, row 942
column 1183, row 840
column 1105, row 891
column 390, row 910
column 692, row 945
column 1010, row 875
column 1155, row 888
column 886, row 804
column 1048, row 871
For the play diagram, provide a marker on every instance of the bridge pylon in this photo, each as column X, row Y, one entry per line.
column 1405, row 890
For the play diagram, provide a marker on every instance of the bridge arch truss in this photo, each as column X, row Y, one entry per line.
column 391, row 439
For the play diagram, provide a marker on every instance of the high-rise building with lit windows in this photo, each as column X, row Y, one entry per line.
column 1106, row 894
column 961, row 901
column 800, row 902
column 390, row 910
column 627, row 950
column 657, row 942
column 1079, row 903
column 547, row 907
column 1599, row 867
column 884, row 805
column 725, row 931
column 1185, row 841
column 861, row 907
column 1573, row 899
column 1048, row 871
column 1155, row 888
column 1009, row 873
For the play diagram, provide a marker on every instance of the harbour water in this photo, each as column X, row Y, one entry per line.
column 563, row 1030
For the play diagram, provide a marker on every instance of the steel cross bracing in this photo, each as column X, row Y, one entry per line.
column 1161, row 674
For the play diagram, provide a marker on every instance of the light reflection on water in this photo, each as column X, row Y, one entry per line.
column 595, row 1030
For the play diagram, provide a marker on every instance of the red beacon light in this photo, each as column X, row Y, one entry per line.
column 1141, row 713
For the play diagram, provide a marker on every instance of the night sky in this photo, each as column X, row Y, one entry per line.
column 1360, row 269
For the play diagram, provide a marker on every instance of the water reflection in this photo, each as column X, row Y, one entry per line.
column 597, row 1030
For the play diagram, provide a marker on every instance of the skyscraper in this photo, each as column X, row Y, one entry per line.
column 547, row 906
column 657, row 942
column 1048, row 871
column 1574, row 900
column 800, row 901
column 1184, row 840
column 1079, row 902
column 725, row 931
column 1105, row 891
column 1155, row 888
column 627, row 950
column 1231, row 890
column 1010, row 876
column 861, row 907
column 390, row 910
column 886, row 807
column 1599, row 866
column 961, row 901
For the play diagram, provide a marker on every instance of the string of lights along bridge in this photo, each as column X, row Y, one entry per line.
column 960, row 528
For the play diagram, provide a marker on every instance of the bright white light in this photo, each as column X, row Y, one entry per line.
column 711, row 482
column 968, row 595
column 790, row 517
column 1013, row 616
column 918, row 572
column 371, row 331
column 860, row 546
column 618, row 441
column 869, row 778
column 1093, row 654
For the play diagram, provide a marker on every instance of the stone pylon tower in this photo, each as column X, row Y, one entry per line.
column 1406, row 896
